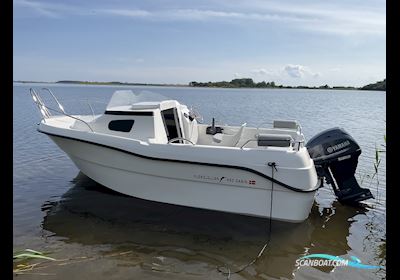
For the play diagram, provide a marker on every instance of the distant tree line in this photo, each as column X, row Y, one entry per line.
column 113, row 83
column 249, row 83
column 235, row 83
column 96, row 83
column 376, row 86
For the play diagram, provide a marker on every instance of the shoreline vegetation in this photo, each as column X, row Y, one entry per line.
column 249, row 83
column 235, row 83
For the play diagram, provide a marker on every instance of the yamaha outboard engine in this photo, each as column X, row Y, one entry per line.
column 335, row 154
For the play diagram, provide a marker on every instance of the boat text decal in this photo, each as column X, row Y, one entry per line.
column 224, row 179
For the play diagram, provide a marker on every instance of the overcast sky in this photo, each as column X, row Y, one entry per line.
column 297, row 42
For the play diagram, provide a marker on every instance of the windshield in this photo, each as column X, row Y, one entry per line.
column 128, row 97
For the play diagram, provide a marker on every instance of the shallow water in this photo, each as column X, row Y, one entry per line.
column 96, row 233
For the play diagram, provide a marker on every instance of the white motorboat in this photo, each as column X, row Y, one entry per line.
column 156, row 149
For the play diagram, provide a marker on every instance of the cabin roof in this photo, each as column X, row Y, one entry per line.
column 146, row 106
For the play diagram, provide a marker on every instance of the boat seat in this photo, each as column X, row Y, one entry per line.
column 286, row 124
column 217, row 137
column 229, row 140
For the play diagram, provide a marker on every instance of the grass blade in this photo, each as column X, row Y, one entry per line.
column 32, row 256
column 33, row 251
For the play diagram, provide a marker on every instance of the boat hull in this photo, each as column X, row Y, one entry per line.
column 194, row 185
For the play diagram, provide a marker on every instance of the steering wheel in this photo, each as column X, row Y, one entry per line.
column 196, row 115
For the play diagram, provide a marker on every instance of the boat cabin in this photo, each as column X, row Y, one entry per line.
column 163, row 121
column 155, row 122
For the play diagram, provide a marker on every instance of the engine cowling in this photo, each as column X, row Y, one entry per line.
column 335, row 154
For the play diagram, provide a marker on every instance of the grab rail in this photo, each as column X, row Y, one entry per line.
column 78, row 119
column 259, row 126
column 91, row 108
column 247, row 142
column 38, row 101
column 55, row 98
column 44, row 110
column 180, row 138
column 299, row 144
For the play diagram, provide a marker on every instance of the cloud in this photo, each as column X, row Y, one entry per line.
column 134, row 13
column 335, row 69
column 128, row 59
column 196, row 15
column 260, row 71
column 38, row 7
column 322, row 17
column 294, row 71
column 346, row 18
column 299, row 71
column 51, row 9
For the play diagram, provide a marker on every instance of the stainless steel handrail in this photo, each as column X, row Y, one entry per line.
column 259, row 126
column 55, row 98
column 247, row 142
column 67, row 115
column 91, row 108
column 45, row 109
column 298, row 144
column 180, row 138
column 39, row 103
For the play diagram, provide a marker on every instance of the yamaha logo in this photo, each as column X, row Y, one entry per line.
column 336, row 147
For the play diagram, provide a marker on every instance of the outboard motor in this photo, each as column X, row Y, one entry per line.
column 335, row 154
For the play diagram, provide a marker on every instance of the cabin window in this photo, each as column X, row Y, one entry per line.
column 121, row 125
column 171, row 122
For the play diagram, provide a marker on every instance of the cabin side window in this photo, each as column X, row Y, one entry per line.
column 121, row 125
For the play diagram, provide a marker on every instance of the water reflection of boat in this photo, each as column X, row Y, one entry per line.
column 83, row 216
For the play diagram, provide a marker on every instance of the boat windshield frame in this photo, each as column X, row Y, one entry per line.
column 128, row 98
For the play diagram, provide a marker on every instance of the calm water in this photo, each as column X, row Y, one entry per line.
column 97, row 234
